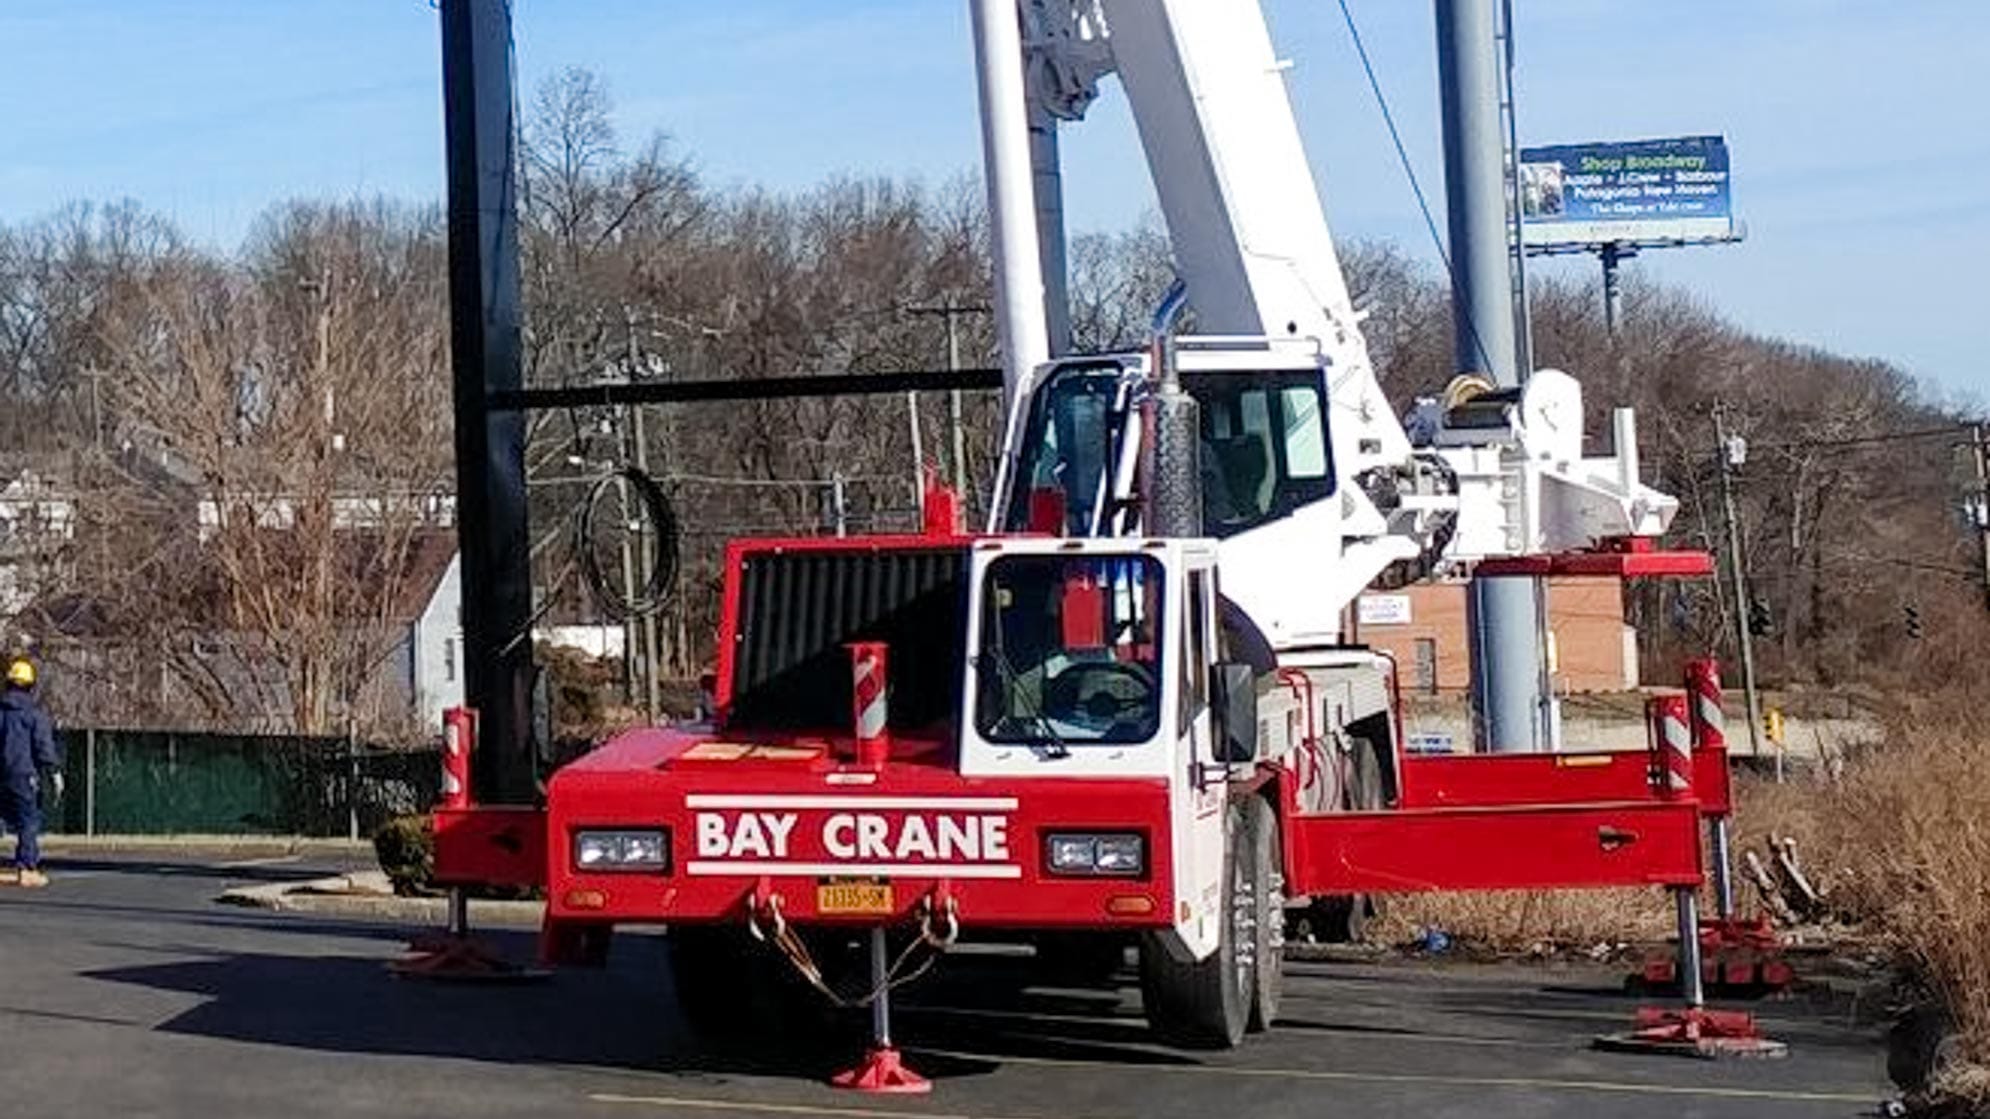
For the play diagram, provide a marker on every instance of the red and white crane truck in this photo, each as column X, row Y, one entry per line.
column 1125, row 713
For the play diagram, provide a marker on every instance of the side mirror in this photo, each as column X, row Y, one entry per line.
column 1234, row 703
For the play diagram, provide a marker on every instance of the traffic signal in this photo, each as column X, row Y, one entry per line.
column 1913, row 621
column 1759, row 622
column 1772, row 725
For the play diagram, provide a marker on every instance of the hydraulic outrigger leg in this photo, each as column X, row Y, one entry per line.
column 882, row 1069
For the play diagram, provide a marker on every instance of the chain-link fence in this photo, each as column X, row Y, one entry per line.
column 168, row 783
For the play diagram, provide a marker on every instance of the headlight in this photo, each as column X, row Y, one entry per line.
column 646, row 849
column 1108, row 855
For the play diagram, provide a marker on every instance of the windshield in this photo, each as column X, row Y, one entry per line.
column 1070, row 650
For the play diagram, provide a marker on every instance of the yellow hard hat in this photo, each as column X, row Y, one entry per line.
column 21, row 673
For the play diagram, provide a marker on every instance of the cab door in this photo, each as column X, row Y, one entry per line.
column 1199, row 788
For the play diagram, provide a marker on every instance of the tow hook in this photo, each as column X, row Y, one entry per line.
column 940, row 904
column 777, row 924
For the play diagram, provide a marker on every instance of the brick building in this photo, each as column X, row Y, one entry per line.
column 1424, row 628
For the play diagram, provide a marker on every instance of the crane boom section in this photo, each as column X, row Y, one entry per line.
column 1243, row 210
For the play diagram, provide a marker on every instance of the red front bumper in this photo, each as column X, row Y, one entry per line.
column 747, row 823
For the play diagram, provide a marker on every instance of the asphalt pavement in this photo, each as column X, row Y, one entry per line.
column 127, row 992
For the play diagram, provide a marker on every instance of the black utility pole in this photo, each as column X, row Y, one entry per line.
column 484, row 351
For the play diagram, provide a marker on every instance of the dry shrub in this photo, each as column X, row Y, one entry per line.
column 1918, row 848
column 1900, row 842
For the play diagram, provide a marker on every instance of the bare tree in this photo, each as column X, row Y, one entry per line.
column 288, row 440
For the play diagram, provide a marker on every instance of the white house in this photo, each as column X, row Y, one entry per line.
column 36, row 521
column 435, row 644
column 432, row 657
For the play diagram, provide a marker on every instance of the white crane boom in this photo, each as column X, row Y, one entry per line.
column 1243, row 211
column 1279, row 348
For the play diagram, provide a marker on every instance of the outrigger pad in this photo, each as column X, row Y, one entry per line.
column 1694, row 1032
column 459, row 959
column 1740, row 958
column 882, row 1071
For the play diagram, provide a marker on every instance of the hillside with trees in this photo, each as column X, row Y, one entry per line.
column 255, row 442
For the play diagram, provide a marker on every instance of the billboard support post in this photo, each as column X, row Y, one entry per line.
column 1612, row 254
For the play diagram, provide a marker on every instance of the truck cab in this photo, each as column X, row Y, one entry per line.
column 1060, row 738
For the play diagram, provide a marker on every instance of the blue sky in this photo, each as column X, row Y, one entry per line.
column 1859, row 129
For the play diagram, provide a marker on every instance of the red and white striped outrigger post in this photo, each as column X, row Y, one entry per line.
column 454, row 953
column 867, row 668
column 1693, row 1030
column 1743, row 955
column 883, row 1067
column 1703, row 691
column 1671, row 737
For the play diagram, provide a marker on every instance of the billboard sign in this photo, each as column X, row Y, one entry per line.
column 1646, row 192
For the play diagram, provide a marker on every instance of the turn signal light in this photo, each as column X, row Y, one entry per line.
column 1130, row 905
column 587, row 899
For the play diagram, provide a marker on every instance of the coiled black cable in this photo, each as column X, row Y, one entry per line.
column 663, row 546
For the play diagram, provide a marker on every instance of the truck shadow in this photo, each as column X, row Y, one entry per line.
column 962, row 1024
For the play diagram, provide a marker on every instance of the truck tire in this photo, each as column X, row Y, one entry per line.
column 1374, row 783
column 1261, row 829
column 1207, row 1004
column 1343, row 918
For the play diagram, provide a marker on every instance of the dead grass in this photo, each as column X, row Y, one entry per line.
column 1532, row 921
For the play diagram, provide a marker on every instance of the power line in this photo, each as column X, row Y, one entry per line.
column 1904, row 562
column 1409, row 171
column 1952, row 430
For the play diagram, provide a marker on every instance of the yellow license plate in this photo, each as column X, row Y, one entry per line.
column 853, row 897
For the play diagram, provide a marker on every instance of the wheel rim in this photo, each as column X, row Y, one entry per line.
column 1275, row 905
column 1243, row 923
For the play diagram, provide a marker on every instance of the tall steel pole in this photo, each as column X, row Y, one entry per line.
column 1475, row 189
column 485, row 357
column 1047, row 181
column 1510, row 693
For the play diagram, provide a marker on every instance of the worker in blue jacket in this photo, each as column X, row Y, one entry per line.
column 27, row 747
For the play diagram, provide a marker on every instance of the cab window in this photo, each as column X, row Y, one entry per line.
column 1264, row 447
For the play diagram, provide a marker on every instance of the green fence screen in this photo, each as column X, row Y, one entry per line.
column 168, row 783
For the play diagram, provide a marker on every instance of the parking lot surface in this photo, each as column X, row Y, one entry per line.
column 128, row 992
